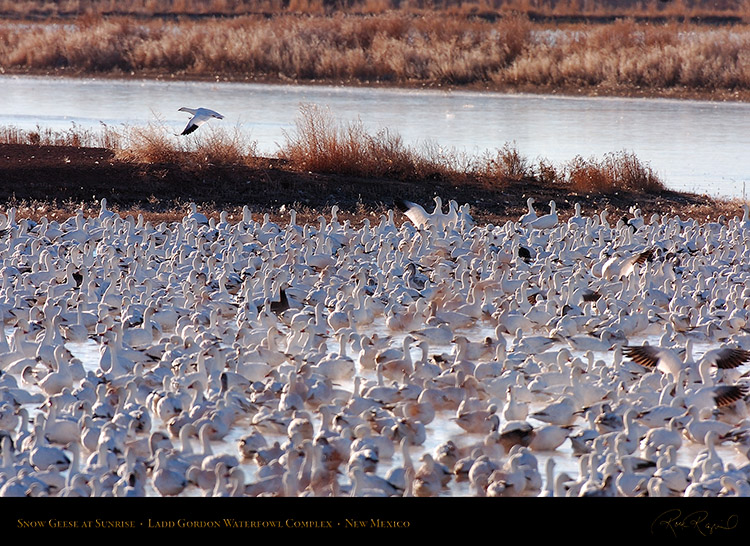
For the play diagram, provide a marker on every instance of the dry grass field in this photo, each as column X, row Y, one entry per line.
column 653, row 48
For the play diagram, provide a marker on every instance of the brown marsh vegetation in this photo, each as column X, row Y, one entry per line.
column 509, row 51
column 324, row 162
column 322, row 144
column 548, row 9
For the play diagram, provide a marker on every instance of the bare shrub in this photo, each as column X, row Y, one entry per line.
column 324, row 145
column 615, row 172
column 506, row 165
column 218, row 146
column 547, row 173
column 91, row 10
column 150, row 144
column 321, row 144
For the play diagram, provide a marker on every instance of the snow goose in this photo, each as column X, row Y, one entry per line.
column 60, row 377
column 370, row 485
column 669, row 480
column 547, row 221
column 630, row 483
column 43, row 456
column 436, row 333
column 733, row 486
column 700, row 423
column 623, row 264
column 715, row 396
column 423, row 219
column 604, row 342
column 703, row 392
column 549, row 479
column 668, row 361
column 582, row 441
column 396, row 363
column 531, row 345
column 429, row 477
column 473, row 350
column 365, row 439
column 514, row 409
column 562, row 412
column 61, row 428
column 412, row 410
column 166, row 479
column 608, row 420
column 577, row 221
column 411, row 430
column 530, row 215
column 200, row 116
column 479, row 421
column 656, row 440
column 481, row 472
column 401, row 476
column 549, row 437
column 514, row 433
column 659, row 415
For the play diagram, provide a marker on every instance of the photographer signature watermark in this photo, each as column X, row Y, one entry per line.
column 676, row 522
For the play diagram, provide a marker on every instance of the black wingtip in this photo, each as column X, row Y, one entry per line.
column 402, row 205
column 189, row 130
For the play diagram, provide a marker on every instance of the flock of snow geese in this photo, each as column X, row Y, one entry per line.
column 326, row 355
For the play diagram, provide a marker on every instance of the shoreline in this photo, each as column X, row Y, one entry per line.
column 602, row 91
column 79, row 177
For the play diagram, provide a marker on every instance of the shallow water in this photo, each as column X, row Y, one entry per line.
column 439, row 431
column 695, row 146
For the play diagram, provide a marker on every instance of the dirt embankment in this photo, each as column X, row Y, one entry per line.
column 57, row 180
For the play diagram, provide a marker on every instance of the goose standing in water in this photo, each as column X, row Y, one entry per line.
column 200, row 369
column 168, row 481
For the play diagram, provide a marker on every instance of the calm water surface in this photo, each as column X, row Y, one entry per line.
column 692, row 145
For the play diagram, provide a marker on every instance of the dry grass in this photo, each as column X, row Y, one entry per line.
column 615, row 172
column 155, row 143
column 322, row 144
column 35, row 9
column 394, row 48
column 150, row 144
column 76, row 136
column 628, row 55
column 508, row 164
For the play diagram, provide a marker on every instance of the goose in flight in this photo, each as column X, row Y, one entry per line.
column 200, row 116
